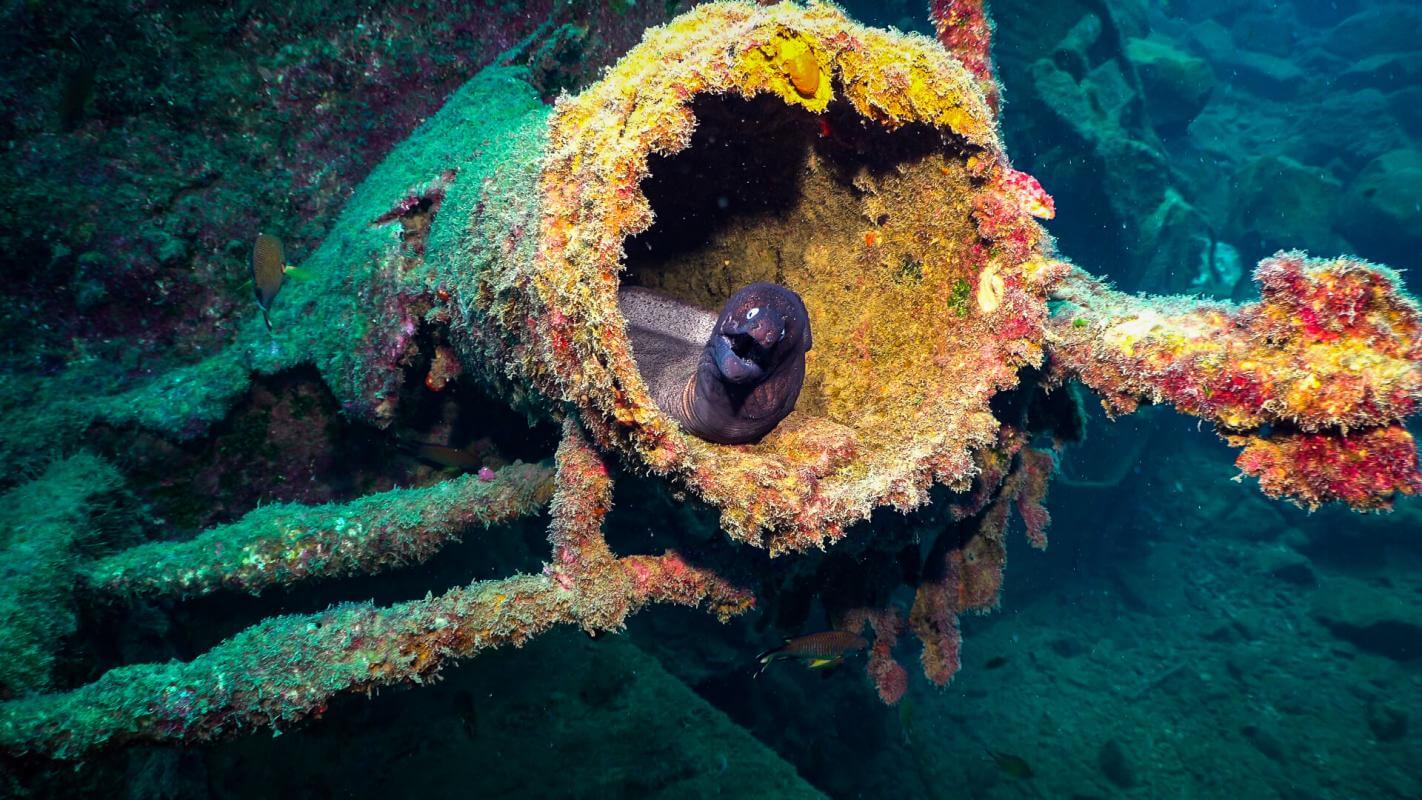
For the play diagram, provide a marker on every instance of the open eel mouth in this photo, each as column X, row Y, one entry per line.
column 873, row 189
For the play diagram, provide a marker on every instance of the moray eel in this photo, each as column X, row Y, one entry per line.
column 730, row 378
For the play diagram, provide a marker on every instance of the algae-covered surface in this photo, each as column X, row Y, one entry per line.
column 241, row 560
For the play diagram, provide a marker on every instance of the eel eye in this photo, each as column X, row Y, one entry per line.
column 751, row 314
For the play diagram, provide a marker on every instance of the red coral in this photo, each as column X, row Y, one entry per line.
column 1342, row 297
column 1028, row 192
column 889, row 676
column 1037, row 468
column 934, row 620
column 1003, row 213
column 1330, row 358
column 1364, row 469
column 965, row 30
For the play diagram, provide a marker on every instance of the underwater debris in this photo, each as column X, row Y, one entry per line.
column 278, row 545
column 287, row 668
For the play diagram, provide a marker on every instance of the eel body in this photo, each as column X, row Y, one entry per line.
column 727, row 378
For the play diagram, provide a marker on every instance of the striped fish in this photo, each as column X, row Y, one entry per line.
column 818, row 650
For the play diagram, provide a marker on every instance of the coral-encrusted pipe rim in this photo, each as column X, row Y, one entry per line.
column 802, row 486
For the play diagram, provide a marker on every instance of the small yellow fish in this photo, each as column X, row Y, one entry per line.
column 1016, row 766
column 268, row 272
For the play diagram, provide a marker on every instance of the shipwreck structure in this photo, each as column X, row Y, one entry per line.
column 863, row 169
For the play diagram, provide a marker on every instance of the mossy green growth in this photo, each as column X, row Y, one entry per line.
column 278, row 671
column 42, row 523
column 910, row 270
column 490, row 220
column 284, row 543
column 354, row 317
column 958, row 299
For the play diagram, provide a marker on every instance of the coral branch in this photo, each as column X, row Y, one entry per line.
column 606, row 589
column 1037, row 468
column 281, row 670
column 283, row 544
column 1331, row 347
column 935, row 622
column 1330, row 344
column 287, row 668
column 583, row 498
column 889, row 676
column 965, row 568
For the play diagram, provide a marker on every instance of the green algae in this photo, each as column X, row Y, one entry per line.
column 958, row 300
column 42, row 524
column 284, row 543
column 355, row 318
column 277, row 672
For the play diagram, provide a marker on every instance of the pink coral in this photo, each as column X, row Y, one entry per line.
column 964, row 28
column 889, row 676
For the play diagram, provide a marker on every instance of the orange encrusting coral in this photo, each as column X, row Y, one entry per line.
column 1333, row 349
